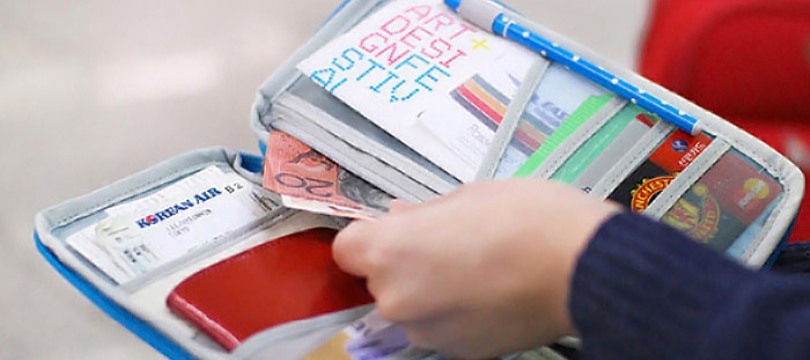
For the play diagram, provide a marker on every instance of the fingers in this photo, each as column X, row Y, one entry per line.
column 353, row 244
column 400, row 206
column 350, row 247
column 446, row 336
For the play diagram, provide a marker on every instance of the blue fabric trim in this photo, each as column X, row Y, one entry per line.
column 132, row 323
column 252, row 163
column 779, row 248
column 263, row 147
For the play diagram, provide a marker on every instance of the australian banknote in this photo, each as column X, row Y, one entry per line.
column 308, row 180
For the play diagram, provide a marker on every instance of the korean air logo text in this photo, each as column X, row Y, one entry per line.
column 168, row 213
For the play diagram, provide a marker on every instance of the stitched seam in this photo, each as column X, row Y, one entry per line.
column 511, row 121
column 695, row 171
column 129, row 193
column 582, row 135
column 637, row 154
column 758, row 156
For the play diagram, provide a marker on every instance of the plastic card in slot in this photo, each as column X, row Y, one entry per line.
column 561, row 103
column 678, row 151
column 734, row 196
column 589, row 164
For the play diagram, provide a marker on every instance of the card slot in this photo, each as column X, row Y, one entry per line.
column 775, row 224
column 585, row 131
column 632, row 160
column 560, row 103
column 786, row 173
column 747, row 245
column 686, row 179
column 511, row 120
column 599, row 154
column 725, row 202
column 57, row 224
column 57, row 219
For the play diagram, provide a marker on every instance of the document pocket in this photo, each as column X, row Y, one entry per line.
column 200, row 261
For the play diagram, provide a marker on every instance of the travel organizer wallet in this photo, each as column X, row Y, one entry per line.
column 722, row 187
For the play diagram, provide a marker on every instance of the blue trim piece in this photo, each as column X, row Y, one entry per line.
column 252, row 163
column 263, row 147
column 137, row 326
column 782, row 244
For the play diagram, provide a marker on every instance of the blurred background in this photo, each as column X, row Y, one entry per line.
column 94, row 90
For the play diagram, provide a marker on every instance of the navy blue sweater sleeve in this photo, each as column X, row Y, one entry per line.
column 642, row 290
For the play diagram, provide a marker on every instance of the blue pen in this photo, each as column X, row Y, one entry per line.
column 494, row 17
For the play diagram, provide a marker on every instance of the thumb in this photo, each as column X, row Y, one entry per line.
column 399, row 206
column 350, row 247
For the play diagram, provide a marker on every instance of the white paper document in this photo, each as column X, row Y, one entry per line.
column 203, row 209
column 402, row 66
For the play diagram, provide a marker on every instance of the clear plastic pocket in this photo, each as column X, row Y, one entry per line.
column 589, row 164
column 561, row 104
column 138, row 240
column 728, row 207
column 657, row 171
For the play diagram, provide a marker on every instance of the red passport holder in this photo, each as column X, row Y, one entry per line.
column 284, row 280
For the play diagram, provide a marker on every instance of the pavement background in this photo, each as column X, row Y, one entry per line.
column 94, row 90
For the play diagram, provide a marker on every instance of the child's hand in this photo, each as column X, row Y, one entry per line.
column 482, row 272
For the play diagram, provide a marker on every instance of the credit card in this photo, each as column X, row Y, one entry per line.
column 641, row 125
column 655, row 174
column 729, row 198
column 632, row 117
